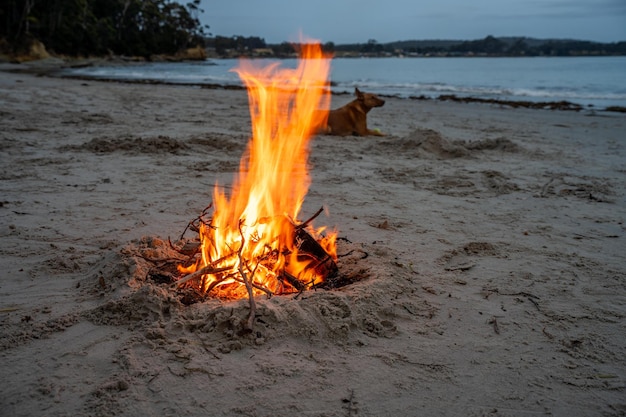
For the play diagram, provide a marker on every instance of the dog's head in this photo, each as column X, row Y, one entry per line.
column 369, row 100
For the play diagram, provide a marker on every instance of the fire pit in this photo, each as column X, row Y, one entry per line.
column 251, row 241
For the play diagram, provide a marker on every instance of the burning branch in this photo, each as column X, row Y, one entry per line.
column 199, row 273
column 247, row 281
column 313, row 217
column 306, row 249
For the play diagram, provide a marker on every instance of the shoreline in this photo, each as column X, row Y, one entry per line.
column 55, row 67
column 562, row 105
column 493, row 281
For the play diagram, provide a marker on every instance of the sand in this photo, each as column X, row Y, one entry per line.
column 485, row 244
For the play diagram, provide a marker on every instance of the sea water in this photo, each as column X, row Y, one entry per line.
column 596, row 82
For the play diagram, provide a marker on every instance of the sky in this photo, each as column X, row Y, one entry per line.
column 358, row 21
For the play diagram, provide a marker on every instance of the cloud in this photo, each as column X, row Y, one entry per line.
column 345, row 21
column 563, row 9
column 542, row 9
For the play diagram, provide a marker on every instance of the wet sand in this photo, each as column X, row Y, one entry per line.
column 486, row 245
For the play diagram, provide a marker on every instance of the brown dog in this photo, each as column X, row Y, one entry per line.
column 351, row 119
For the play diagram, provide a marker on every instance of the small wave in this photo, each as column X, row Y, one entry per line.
column 573, row 95
column 409, row 78
column 426, row 89
column 434, row 90
column 164, row 76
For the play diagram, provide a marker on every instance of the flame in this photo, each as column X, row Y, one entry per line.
column 253, row 234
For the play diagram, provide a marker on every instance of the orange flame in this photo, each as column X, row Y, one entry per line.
column 252, row 233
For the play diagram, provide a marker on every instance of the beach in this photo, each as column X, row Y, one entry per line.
column 484, row 247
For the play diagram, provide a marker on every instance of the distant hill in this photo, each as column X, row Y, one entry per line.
column 439, row 43
column 221, row 46
column 489, row 46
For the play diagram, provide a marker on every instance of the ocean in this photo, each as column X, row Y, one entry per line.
column 595, row 82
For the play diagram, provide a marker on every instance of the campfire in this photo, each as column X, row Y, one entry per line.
column 251, row 241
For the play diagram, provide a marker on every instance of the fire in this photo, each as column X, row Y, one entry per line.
column 253, row 242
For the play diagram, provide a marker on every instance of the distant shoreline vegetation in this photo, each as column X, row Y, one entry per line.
column 157, row 30
column 490, row 46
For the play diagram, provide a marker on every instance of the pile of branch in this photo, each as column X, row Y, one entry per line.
column 321, row 263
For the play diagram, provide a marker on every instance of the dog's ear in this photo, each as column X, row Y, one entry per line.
column 358, row 93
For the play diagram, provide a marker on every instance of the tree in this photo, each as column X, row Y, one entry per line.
column 519, row 47
column 16, row 17
column 95, row 27
column 284, row 49
column 489, row 46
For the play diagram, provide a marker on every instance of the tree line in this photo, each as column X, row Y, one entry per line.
column 101, row 27
column 248, row 45
column 489, row 46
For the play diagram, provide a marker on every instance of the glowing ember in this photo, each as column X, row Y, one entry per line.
column 253, row 242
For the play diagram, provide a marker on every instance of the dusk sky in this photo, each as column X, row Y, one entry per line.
column 352, row 21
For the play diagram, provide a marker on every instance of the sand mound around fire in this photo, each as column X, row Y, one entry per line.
column 136, row 295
